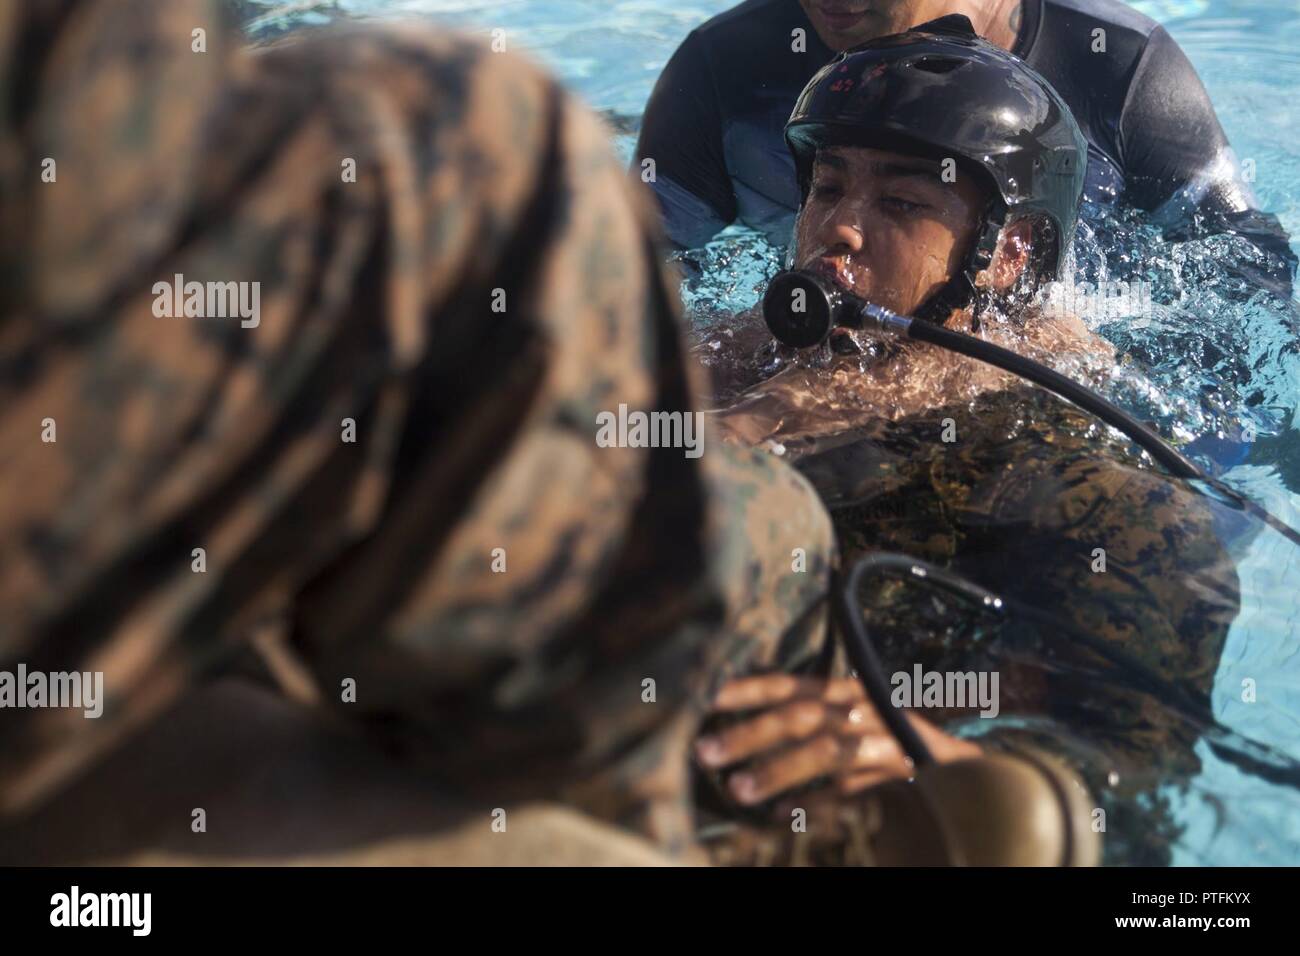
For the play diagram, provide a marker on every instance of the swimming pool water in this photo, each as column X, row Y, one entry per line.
column 1244, row 349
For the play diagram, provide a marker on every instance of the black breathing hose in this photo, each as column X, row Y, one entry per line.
column 801, row 308
column 861, row 651
column 1244, row 753
column 1055, row 382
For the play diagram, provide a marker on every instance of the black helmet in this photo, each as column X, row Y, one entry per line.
column 939, row 90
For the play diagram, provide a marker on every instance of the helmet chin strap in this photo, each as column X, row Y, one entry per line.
column 954, row 295
column 960, row 291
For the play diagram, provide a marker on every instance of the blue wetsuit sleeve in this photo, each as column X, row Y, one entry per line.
column 1177, row 161
column 682, row 133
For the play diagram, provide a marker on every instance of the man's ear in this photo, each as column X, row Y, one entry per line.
column 1011, row 258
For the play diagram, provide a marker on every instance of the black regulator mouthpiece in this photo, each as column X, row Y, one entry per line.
column 801, row 308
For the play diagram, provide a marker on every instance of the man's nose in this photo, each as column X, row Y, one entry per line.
column 846, row 234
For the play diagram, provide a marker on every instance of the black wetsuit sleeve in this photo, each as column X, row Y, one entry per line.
column 682, row 132
column 1169, row 135
column 1176, row 159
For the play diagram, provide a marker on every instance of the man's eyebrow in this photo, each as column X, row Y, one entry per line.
column 834, row 162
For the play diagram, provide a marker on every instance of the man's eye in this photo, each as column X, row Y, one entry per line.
column 900, row 204
column 826, row 190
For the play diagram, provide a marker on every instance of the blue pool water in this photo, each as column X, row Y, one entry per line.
column 1246, row 349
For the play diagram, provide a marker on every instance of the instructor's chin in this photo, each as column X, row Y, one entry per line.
column 868, row 26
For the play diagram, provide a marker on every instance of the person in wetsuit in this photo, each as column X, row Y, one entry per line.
column 939, row 177
column 713, row 125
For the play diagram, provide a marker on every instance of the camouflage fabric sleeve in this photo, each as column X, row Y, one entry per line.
column 393, row 458
column 1134, row 558
column 1023, row 495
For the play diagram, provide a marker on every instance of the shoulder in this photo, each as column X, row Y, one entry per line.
column 739, row 30
column 1111, row 12
column 730, row 32
column 748, row 15
column 749, row 48
column 1067, row 25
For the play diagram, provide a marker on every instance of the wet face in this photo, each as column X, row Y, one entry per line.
column 885, row 225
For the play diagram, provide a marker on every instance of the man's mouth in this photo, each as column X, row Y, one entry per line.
column 833, row 271
column 841, row 19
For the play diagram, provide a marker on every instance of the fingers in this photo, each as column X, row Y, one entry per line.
column 809, row 728
column 861, row 719
column 877, row 751
column 878, row 758
column 856, row 762
column 749, row 693
column 794, row 721
column 794, row 768
column 857, row 782
column 833, row 706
